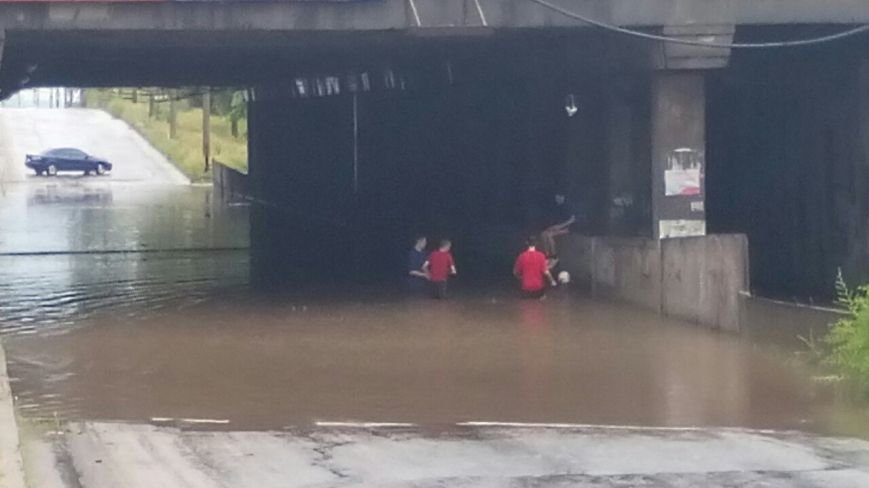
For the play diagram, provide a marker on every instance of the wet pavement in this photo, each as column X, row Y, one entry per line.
column 129, row 299
column 111, row 455
column 33, row 130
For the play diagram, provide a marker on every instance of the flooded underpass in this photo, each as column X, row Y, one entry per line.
column 133, row 332
column 164, row 324
column 267, row 365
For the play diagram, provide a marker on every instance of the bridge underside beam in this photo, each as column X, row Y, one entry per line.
column 398, row 14
column 251, row 57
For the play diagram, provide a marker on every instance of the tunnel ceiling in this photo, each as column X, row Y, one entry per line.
column 186, row 58
column 231, row 43
column 144, row 58
column 247, row 58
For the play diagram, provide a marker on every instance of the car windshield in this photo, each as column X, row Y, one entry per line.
column 65, row 153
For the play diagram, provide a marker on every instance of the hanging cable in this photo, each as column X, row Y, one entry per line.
column 689, row 42
column 481, row 13
column 415, row 12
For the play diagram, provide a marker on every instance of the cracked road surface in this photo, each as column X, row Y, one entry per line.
column 110, row 455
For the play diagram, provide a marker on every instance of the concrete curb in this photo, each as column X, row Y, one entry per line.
column 11, row 464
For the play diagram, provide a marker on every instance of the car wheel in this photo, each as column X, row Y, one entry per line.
column 39, row 172
column 101, row 170
column 52, row 170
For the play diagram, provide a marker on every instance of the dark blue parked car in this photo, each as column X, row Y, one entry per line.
column 66, row 159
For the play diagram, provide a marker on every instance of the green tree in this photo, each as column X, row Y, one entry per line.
column 237, row 111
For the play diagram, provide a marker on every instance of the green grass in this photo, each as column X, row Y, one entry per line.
column 185, row 150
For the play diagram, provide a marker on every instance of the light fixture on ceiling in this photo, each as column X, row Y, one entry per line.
column 570, row 105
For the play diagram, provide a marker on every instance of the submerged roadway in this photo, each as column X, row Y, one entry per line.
column 139, row 356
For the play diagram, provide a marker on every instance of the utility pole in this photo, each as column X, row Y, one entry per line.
column 173, row 116
column 206, row 128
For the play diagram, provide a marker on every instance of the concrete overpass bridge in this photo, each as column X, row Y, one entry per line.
column 205, row 42
column 372, row 119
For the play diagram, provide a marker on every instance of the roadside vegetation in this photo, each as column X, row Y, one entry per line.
column 172, row 121
column 842, row 354
column 848, row 339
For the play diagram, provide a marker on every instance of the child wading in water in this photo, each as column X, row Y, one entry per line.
column 532, row 270
column 440, row 266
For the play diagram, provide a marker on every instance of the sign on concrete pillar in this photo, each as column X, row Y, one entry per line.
column 678, row 154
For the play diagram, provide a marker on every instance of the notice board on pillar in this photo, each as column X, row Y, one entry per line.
column 678, row 148
column 683, row 180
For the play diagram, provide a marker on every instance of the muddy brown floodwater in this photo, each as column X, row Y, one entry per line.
column 177, row 332
column 268, row 365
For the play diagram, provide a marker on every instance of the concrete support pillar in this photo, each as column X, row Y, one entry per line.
column 255, row 187
column 678, row 153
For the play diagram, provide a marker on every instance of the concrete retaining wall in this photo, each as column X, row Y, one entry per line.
column 229, row 181
column 696, row 279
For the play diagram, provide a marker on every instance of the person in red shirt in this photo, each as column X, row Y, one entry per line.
column 531, row 268
column 440, row 265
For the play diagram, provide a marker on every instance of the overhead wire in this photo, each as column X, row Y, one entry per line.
column 690, row 42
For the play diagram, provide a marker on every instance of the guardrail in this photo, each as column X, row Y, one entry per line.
column 229, row 181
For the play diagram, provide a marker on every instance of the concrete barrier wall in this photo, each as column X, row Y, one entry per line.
column 696, row 279
column 229, row 181
column 702, row 277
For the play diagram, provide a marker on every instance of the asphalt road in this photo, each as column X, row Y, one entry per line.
column 106, row 455
column 33, row 130
column 145, row 203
